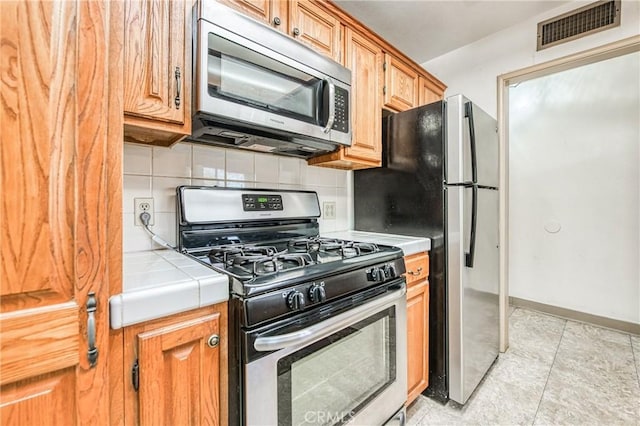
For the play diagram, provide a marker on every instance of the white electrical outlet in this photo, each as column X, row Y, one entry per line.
column 141, row 205
column 329, row 210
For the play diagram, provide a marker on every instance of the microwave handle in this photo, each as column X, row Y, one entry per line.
column 332, row 106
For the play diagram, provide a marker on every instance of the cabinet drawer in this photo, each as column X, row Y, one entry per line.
column 417, row 266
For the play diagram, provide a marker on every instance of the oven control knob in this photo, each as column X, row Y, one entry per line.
column 390, row 271
column 317, row 293
column 295, row 300
column 375, row 275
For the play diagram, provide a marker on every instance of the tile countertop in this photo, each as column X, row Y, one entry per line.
column 409, row 245
column 159, row 283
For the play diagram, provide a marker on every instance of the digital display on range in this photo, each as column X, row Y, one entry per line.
column 259, row 202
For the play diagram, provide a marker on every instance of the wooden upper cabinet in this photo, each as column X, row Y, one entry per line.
column 272, row 12
column 400, row 84
column 364, row 59
column 181, row 369
column 429, row 91
column 314, row 26
column 53, row 156
column 157, row 70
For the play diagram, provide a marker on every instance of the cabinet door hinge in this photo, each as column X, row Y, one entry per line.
column 384, row 66
column 135, row 375
column 384, row 90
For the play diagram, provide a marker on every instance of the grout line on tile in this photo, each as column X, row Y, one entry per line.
column 549, row 375
column 635, row 361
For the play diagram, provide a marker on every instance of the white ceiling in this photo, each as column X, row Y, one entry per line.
column 425, row 29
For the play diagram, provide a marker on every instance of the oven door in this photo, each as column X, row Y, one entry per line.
column 348, row 368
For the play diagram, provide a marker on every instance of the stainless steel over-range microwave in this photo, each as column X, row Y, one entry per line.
column 258, row 89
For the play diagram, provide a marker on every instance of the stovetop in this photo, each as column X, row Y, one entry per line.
column 268, row 242
column 263, row 267
column 250, row 261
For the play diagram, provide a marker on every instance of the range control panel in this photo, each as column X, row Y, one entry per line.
column 261, row 202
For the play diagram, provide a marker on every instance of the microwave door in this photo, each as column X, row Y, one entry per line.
column 243, row 76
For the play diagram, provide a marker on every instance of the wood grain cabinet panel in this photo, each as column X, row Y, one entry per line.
column 417, row 339
column 272, row 12
column 157, row 70
column 417, row 324
column 417, row 266
column 312, row 25
column 428, row 91
column 364, row 59
column 401, row 84
column 181, row 368
column 55, row 57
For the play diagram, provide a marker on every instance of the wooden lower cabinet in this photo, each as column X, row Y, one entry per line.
column 417, row 325
column 179, row 365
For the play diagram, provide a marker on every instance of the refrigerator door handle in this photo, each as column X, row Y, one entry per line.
column 468, row 257
column 468, row 113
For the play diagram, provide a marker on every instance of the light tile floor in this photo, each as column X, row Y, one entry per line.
column 555, row 372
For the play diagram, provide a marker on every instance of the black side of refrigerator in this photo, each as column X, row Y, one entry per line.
column 406, row 196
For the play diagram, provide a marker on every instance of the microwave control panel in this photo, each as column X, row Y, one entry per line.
column 341, row 123
column 261, row 202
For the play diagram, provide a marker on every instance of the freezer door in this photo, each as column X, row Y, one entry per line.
column 473, row 327
column 468, row 126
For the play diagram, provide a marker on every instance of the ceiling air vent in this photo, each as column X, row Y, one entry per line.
column 578, row 23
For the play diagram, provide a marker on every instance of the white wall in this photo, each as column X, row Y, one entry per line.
column 574, row 179
column 473, row 69
column 156, row 172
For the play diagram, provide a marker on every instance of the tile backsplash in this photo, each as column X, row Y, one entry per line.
column 156, row 171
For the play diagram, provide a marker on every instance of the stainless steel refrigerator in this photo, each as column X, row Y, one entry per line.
column 439, row 179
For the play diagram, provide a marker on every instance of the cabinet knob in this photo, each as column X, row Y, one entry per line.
column 296, row 32
column 276, row 21
column 214, row 340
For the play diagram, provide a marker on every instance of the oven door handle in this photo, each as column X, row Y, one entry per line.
column 328, row 327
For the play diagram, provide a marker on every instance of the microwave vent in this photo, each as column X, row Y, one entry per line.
column 578, row 23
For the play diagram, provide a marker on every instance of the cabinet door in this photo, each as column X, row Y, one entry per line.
column 417, row 339
column 313, row 26
column 180, row 373
column 272, row 12
column 53, row 157
column 363, row 58
column 428, row 92
column 155, row 60
column 401, row 84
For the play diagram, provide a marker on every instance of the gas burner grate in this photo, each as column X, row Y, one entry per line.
column 281, row 262
column 228, row 253
column 341, row 248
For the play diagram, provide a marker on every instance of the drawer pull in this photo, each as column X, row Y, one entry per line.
column 417, row 272
column 177, row 99
column 92, row 352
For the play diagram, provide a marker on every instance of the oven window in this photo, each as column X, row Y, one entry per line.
column 330, row 381
column 247, row 77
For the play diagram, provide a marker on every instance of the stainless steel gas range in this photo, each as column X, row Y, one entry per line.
column 317, row 327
